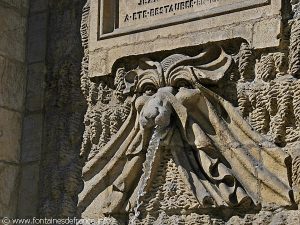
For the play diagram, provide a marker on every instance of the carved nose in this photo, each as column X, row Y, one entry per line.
column 157, row 111
column 148, row 116
column 152, row 113
column 149, row 113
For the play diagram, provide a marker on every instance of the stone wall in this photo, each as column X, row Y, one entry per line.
column 32, row 131
column 41, row 107
column 13, row 25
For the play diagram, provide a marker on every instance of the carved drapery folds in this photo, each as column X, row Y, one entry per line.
column 188, row 137
column 161, row 141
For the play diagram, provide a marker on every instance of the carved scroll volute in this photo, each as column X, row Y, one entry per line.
column 147, row 72
column 209, row 67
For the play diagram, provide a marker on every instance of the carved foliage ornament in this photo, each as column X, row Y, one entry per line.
column 181, row 147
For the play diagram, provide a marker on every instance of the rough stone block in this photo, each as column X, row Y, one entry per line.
column 35, row 87
column 32, row 137
column 8, row 187
column 28, row 184
column 37, row 37
column 12, row 84
column 10, row 135
column 12, row 34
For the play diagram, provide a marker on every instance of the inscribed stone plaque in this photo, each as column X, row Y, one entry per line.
column 140, row 14
column 120, row 28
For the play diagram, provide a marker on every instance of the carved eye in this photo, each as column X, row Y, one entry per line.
column 183, row 83
column 149, row 89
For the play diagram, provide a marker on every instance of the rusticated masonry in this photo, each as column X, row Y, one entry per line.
column 207, row 134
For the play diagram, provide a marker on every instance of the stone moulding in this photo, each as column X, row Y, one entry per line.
column 265, row 15
column 198, row 15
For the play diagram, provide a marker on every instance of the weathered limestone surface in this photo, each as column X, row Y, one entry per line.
column 19, row 4
column 9, row 176
column 13, row 23
column 32, row 130
column 28, row 200
column 12, row 86
column 37, row 36
column 237, row 24
column 32, row 141
column 35, row 87
column 10, row 138
column 12, row 37
column 187, row 123
column 38, row 6
column 195, row 122
column 64, row 108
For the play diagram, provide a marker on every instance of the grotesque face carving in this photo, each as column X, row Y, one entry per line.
column 177, row 124
column 153, row 82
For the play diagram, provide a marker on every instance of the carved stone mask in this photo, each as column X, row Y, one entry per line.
column 176, row 122
column 177, row 75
